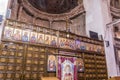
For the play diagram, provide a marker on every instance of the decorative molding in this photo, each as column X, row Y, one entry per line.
column 54, row 17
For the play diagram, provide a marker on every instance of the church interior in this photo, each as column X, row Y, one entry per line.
column 60, row 40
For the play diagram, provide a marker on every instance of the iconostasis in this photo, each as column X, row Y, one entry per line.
column 33, row 51
column 22, row 32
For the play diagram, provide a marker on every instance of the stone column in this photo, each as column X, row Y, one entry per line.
column 20, row 12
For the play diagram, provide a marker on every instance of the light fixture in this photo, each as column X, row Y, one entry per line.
column 68, row 35
column 67, row 27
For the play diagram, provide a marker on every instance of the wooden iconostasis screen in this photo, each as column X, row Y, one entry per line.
column 28, row 52
column 33, row 34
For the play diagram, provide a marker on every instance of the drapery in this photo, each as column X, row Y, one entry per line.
column 67, row 69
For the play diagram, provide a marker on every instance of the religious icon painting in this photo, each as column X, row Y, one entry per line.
column 72, row 44
column 54, row 41
column 87, row 46
column 47, row 39
column 99, row 48
column 17, row 34
column 80, row 65
column 8, row 32
column 51, row 63
column 67, row 69
column 90, row 47
column 66, row 43
column 25, row 36
column 33, row 37
column 40, row 38
column 77, row 44
column 61, row 42
column 82, row 46
column 95, row 47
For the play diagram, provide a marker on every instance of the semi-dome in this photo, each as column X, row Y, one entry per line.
column 54, row 6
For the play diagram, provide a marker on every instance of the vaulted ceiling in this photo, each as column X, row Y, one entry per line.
column 54, row 6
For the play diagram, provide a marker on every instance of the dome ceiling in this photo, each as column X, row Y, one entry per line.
column 54, row 6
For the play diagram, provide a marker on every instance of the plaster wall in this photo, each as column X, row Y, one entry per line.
column 97, row 16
